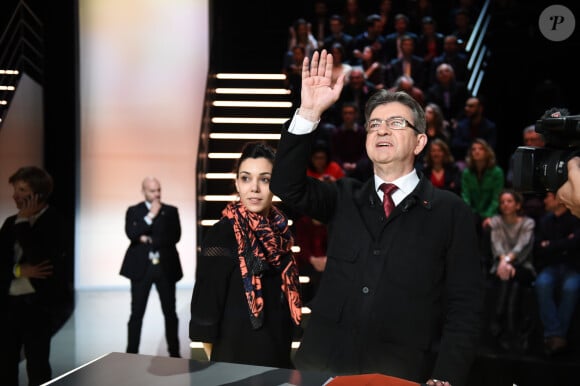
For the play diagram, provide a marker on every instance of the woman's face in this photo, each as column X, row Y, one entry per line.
column 478, row 152
column 436, row 153
column 253, row 185
column 508, row 204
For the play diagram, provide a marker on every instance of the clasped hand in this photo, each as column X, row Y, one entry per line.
column 36, row 271
column 505, row 270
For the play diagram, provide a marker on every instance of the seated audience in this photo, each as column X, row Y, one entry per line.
column 512, row 241
column 348, row 140
column 474, row 124
column 481, row 182
column 440, row 168
column 557, row 260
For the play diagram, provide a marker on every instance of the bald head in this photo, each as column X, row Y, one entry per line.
column 151, row 189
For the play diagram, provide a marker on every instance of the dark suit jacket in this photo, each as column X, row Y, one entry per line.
column 45, row 240
column 394, row 292
column 165, row 232
column 458, row 94
column 418, row 71
column 463, row 137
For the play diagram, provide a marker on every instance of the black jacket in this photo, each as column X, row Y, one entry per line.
column 165, row 231
column 395, row 293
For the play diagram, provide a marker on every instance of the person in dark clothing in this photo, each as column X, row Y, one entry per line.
column 32, row 277
column 557, row 260
column 246, row 301
column 153, row 229
column 402, row 290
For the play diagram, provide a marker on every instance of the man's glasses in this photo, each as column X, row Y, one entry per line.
column 393, row 123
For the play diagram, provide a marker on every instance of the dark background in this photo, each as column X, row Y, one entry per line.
column 251, row 36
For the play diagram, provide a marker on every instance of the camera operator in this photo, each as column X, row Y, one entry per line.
column 569, row 193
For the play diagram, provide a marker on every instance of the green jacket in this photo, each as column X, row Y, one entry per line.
column 482, row 195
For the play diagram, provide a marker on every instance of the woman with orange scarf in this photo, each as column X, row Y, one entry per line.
column 246, row 299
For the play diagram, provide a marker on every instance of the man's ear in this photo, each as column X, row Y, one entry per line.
column 421, row 143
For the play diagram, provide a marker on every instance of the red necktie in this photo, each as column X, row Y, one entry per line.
column 388, row 203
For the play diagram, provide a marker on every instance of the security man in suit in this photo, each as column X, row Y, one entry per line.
column 154, row 229
column 402, row 291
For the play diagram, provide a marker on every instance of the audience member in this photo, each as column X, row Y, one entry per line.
column 354, row 18
column 440, row 168
column 471, row 7
column 393, row 40
column 418, row 10
column 319, row 22
column 321, row 165
column 453, row 56
column 407, row 84
column 153, row 229
column 556, row 253
column 473, row 125
column 246, row 298
column 512, row 242
column 292, row 70
column 448, row 93
column 299, row 33
column 429, row 43
column 357, row 90
column 347, row 141
column 346, row 333
column 337, row 35
column 481, row 182
column 375, row 70
column 33, row 255
column 437, row 126
column 462, row 27
column 407, row 64
column 340, row 66
column 386, row 12
column 372, row 38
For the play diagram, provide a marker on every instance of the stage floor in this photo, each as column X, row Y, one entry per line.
column 99, row 323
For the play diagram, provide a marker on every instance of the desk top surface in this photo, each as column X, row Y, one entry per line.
column 145, row 370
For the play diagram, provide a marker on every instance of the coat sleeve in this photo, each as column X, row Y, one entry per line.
column 464, row 295
column 215, row 264
column 290, row 183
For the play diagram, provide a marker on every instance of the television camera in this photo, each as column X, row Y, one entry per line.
column 543, row 169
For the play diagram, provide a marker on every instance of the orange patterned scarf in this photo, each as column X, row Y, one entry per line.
column 263, row 244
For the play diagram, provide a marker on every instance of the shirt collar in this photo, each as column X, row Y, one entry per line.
column 406, row 185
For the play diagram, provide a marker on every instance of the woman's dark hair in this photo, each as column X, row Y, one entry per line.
column 255, row 150
column 38, row 179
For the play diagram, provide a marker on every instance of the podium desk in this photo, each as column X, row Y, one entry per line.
column 122, row 369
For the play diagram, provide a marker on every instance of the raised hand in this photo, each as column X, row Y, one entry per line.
column 317, row 93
